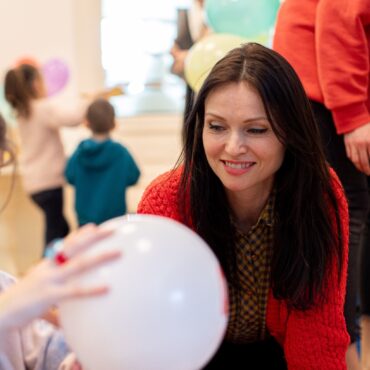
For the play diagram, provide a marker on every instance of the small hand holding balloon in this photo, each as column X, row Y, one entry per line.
column 104, row 94
column 49, row 283
column 166, row 308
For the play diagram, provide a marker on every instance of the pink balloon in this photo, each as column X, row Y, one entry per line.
column 56, row 75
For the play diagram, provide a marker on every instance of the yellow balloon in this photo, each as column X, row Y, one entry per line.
column 205, row 54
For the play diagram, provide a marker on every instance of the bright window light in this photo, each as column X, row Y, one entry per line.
column 136, row 38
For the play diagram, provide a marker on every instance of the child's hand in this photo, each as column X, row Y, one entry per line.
column 104, row 94
column 53, row 281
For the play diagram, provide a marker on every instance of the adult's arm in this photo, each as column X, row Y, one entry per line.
column 342, row 47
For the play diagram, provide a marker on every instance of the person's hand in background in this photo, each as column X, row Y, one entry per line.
column 357, row 143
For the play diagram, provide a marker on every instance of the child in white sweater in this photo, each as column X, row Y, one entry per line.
column 42, row 157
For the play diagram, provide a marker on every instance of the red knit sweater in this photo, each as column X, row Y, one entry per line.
column 328, row 44
column 312, row 340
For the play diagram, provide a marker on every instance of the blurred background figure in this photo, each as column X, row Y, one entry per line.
column 101, row 169
column 191, row 27
column 42, row 156
column 334, row 66
column 26, row 343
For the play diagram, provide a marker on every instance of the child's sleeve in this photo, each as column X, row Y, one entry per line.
column 37, row 346
column 69, row 171
column 133, row 172
column 71, row 114
column 44, row 347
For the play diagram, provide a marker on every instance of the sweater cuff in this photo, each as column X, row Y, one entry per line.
column 350, row 117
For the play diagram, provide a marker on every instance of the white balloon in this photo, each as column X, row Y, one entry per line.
column 167, row 304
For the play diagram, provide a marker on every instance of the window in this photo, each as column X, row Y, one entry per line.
column 136, row 40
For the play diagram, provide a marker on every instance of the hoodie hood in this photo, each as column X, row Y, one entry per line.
column 97, row 154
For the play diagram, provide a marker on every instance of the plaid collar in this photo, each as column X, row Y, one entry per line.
column 266, row 216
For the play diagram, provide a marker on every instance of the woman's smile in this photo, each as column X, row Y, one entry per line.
column 237, row 168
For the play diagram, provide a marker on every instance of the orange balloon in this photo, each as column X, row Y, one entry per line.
column 27, row 60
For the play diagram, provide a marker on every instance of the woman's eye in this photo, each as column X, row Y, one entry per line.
column 215, row 127
column 256, row 131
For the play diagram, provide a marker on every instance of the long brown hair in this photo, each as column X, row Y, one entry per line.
column 20, row 88
column 304, row 241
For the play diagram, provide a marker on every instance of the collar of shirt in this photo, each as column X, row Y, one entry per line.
column 266, row 216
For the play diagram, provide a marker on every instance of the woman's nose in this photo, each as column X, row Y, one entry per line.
column 236, row 144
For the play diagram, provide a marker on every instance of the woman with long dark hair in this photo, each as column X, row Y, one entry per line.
column 254, row 183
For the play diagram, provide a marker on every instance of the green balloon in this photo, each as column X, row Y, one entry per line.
column 246, row 18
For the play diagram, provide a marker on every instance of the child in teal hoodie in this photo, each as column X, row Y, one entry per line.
column 101, row 169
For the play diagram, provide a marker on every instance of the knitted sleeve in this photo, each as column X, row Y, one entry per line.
column 317, row 338
column 342, row 48
column 160, row 197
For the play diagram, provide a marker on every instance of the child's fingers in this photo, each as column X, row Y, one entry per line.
column 84, row 239
column 85, row 263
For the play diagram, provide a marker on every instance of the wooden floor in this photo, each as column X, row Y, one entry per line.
column 154, row 142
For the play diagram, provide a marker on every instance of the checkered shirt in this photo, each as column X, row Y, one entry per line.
column 253, row 256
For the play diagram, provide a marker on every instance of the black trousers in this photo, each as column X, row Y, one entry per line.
column 254, row 356
column 356, row 186
column 365, row 269
column 51, row 203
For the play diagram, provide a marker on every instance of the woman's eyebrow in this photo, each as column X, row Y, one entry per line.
column 248, row 120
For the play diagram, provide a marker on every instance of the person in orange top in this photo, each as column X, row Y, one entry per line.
column 328, row 44
column 254, row 183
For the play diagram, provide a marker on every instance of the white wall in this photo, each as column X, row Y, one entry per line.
column 87, row 16
column 44, row 29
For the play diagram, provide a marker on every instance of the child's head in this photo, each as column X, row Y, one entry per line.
column 22, row 84
column 100, row 117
